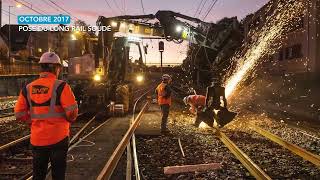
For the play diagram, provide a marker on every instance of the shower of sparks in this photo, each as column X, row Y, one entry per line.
column 264, row 42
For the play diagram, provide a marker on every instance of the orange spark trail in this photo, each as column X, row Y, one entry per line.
column 264, row 42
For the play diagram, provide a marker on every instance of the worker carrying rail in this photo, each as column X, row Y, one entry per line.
column 163, row 92
column 212, row 107
column 49, row 106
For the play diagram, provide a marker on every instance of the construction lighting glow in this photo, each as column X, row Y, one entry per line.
column 140, row 78
column 265, row 44
column 97, row 77
column 179, row 28
column 73, row 37
column 123, row 25
column 114, row 24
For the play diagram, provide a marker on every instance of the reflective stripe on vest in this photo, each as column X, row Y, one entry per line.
column 71, row 107
column 52, row 113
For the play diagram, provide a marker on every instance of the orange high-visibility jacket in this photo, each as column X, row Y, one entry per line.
column 49, row 105
column 163, row 97
column 196, row 102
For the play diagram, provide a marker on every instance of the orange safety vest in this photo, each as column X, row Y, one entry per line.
column 162, row 93
column 49, row 103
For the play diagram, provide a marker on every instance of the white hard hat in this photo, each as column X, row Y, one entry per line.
column 166, row 77
column 50, row 58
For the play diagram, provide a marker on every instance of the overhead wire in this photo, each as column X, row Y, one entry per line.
column 209, row 9
column 7, row 12
column 23, row 4
column 143, row 6
column 195, row 13
column 124, row 7
column 33, row 6
column 63, row 9
column 52, row 6
column 200, row 11
column 115, row 2
column 108, row 4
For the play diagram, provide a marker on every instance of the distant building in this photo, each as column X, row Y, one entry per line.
column 300, row 50
column 26, row 45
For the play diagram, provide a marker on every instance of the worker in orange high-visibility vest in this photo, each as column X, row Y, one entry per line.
column 163, row 92
column 197, row 103
column 49, row 105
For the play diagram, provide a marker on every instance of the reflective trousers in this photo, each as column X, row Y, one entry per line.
column 56, row 154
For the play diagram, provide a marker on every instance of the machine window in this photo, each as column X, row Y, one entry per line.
column 134, row 53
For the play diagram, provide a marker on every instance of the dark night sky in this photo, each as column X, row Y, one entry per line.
column 89, row 10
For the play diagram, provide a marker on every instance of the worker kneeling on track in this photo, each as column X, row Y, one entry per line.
column 212, row 107
column 49, row 106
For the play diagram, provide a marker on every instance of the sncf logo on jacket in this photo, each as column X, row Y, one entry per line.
column 39, row 89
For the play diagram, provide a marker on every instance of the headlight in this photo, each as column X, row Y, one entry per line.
column 178, row 28
column 97, row 77
column 140, row 78
column 114, row 24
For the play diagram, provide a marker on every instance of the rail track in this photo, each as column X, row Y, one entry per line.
column 6, row 112
column 249, row 163
column 128, row 143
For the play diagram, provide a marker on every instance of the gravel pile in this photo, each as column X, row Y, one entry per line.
column 4, row 120
column 7, row 104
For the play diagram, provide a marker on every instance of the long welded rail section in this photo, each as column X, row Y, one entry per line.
column 253, row 168
column 133, row 140
column 315, row 159
column 116, row 155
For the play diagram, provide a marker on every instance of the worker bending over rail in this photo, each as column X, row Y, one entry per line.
column 212, row 107
column 49, row 106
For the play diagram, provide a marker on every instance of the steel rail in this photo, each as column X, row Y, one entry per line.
column 254, row 169
column 315, row 159
column 3, row 115
column 116, row 155
column 82, row 129
column 133, row 139
column 129, row 163
column 12, row 143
